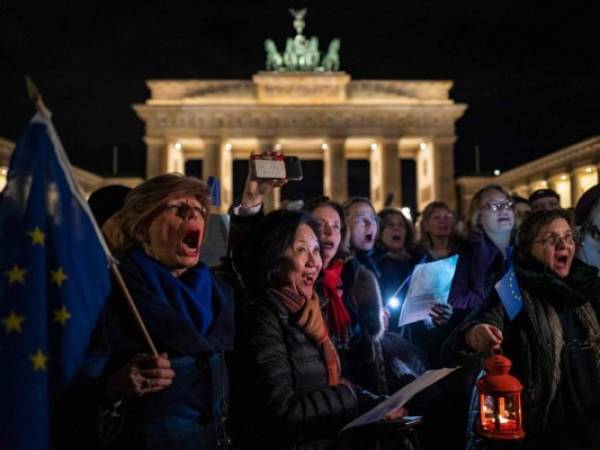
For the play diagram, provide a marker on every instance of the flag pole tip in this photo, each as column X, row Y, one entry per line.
column 32, row 90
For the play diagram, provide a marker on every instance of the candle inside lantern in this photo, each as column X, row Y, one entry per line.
column 500, row 406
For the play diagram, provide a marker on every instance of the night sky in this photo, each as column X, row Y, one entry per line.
column 529, row 71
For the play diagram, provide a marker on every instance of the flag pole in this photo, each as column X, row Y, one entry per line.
column 36, row 97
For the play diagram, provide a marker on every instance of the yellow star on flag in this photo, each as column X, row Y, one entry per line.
column 37, row 236
column 61, row 315
column 13, row 322
column 16, row 275
column 39, row 360
column 58, row 276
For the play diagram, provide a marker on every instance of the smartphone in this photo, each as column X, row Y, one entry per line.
column 293, row 168
column 275, row 167
column 267, row 167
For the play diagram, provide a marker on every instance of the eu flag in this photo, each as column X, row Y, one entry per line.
column 510, row 293
column 53, row 283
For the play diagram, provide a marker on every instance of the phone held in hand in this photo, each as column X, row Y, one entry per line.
column 274, row 166
column 293, row 168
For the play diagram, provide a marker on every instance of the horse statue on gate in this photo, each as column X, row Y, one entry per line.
column 274, row 58
column 331, row 60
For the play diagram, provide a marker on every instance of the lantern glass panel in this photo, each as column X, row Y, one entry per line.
column 488, row 403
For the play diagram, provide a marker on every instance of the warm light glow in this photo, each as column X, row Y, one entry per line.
column 588, row 170
column 374, row 146
column 228, row 146
column 563, row 178
column 496, row 172
column 324, row 146
column 178, row 146
column 278, row 147
column 423, row 145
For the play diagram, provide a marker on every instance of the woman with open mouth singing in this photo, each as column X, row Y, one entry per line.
column 175, row 399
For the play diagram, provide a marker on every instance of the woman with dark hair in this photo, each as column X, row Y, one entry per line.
column 126, row 397
column 287, row 386
column 553, row 342
column 437, row 236
column 396, row 252
column 354, row 313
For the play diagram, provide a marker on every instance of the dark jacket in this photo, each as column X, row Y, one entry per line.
column 280, row 396
column 361, row 356
column 559, row 410
column 480, row 266
column 187, row 414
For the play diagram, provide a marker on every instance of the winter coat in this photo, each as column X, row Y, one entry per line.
column 361, row 356
column 480, row 266
column 280, row 395
column 186, row 415
column 550, row 353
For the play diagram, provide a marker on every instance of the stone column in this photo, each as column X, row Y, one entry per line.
column 211, row 161
column 270, row 201
column 392, row 183
column 443, row 170
column 156, row 156
column 335, row 169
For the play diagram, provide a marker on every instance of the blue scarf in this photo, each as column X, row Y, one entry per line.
column 191, row 294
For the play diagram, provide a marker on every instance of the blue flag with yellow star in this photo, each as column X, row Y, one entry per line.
column 509, row 292
column 53, row 283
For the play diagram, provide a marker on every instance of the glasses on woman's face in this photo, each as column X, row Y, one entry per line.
column 365, row 219
column 498, row 206
column 554, row 239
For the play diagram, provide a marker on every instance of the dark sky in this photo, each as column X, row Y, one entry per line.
column 529, row 71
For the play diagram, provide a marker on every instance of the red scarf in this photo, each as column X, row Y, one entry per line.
column 339, row 319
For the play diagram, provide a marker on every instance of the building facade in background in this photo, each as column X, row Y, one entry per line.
column 569, row 171
column 318, row 116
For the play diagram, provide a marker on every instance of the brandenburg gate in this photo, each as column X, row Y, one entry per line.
column 311, row 112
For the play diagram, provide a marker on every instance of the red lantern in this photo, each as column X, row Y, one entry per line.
column 500, row 401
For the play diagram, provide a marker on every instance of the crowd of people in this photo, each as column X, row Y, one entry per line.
column 296, row 333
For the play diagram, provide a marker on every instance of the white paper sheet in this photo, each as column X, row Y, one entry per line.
column 400, row 398
column 429, row 284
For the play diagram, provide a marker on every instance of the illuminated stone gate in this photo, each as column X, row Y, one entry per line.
column 305, row 107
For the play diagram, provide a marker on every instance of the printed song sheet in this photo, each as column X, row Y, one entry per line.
column 430, row 284
column 400, row 398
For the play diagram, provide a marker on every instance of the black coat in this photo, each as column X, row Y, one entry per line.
column 185, row 415
column 280, row 395
column 538, row 345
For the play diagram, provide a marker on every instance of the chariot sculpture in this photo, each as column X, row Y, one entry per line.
column 302, row 54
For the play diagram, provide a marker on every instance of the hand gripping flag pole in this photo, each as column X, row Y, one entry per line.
column 36, row 97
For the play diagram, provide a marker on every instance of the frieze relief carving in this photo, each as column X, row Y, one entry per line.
column 408, row 119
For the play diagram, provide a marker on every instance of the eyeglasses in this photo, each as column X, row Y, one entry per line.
column 498, row 206
column 554, row 239
column 181, row 209
column 365, row 219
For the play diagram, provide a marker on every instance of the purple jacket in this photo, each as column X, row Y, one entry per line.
column 480, row 266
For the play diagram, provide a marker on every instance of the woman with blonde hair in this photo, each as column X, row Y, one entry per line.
column 127, row 397
column 437, row 236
